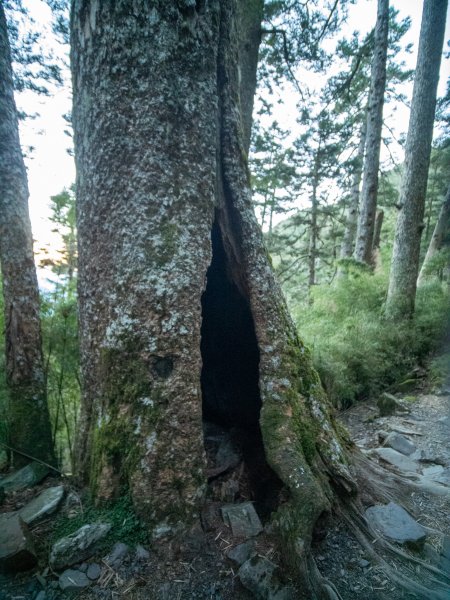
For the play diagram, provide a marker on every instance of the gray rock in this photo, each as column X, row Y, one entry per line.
column 432, row 472
column 394, row 523
column 28, row 476
column 17, row 551
column 93, row 571
column 117, row 555
column 382, row 435
column 243, row 519
column 83, row 567
column 44, row 504
column 259, row 575
column 387, row 405
column 397, row 460
column 404, row 430
column 427, row 456
column 398, row 442
column 242, row 552
column 41, row 596
column 443, row 477
column 363, row 563
column 78, row 546
column 141, row 555
column 73, row 581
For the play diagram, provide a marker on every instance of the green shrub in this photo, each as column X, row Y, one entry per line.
column 356, row 352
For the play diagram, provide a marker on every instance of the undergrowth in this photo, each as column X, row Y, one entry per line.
column 355, row 350
column 126, row 527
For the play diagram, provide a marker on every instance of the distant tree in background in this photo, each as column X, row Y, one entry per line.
column 366, row 221
column 405, row 258
column 28, row 417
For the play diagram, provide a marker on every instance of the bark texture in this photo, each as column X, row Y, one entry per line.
column 161, row 163
column 439, row 239
column 368, row 205
column 409, row 227
column 29, row 423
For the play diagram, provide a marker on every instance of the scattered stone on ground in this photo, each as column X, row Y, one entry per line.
column 242, row 552
column 259, row 575
column 93, row 571
column 73, row 580
column 243, row 519
column 45, row 504
column 141, row 554
column 17, row 552
column 117, row 555
column 397, row 460
column 404, row 430
column 30, row 475
column 400, row 443
column 78, row 546
column 394, row 523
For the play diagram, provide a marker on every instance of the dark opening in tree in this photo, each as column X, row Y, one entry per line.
column 230, row 382
column 229, row 348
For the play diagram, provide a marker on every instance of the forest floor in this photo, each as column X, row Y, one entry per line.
column 198, row 565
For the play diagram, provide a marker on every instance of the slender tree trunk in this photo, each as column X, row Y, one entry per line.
column 376, row 256
column 352, row 214
column 161, row 168
column 29, row 423
column 408, row 232
column 313, row 230
column 368, row 205
column 440, row 235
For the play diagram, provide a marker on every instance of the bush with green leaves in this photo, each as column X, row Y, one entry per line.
column 356, row 350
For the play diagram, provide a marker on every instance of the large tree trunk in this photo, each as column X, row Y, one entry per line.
column 29, row 423
column 441, row 235
column 368, row 205
column 160, row 167
column 181, row 318
column 408, row 232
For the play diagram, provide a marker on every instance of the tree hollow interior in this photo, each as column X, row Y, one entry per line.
column 230, row 388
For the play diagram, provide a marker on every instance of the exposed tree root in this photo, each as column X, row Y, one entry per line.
column 378, row 485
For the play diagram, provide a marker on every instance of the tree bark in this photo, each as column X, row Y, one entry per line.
column 440, row 235
column 160, row 163
column 408, row 232
column 28, row 417
column 368, row 205
column 250, row 15
column 352, row 214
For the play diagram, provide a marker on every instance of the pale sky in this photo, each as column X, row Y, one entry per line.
column 50, row 168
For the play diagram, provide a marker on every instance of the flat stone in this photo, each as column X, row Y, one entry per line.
column 431, row 472
column 243, row 519
column 28, row 476
column 41, row 596
column 117, row 555
column 17, row 551
column 394, row 523
column 398, row 442
column 93, row 571
column 427, row 456
column 404, row 430
column 78, row 546
column 259, row 575
column 73, row 581
column 242, row 552
column 44, row 504
column 397, row 460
